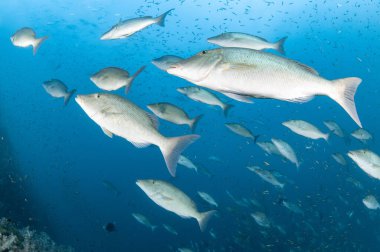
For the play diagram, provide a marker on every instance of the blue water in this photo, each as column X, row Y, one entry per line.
column 64, row 156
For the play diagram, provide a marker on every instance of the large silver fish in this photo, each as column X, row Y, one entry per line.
column 128, row 27
column 305, row 129
column 174, row 200
column 27, row 37
column 250, row 73
column 118, row 116
column 367, row 160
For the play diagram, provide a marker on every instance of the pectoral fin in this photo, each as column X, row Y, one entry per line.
column 107, row 132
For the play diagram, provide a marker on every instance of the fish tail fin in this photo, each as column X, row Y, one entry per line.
column 132, row 78
column 344, row 92
column 204, row 218
column 255, row 138
column 37, row 44
column 226, row 108
column 173, row 147
column 279, row 46
column 68, row 96
column 194, row 123
column 160, row 20
column 326, row 137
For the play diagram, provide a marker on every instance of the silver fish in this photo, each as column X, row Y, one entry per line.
column 251, row 73
column 261, row 219
column 371, row 202
column 305, row 129
column 286, row 151
column 367, row 160
column 207, row 197
column 118, row 116
column 58, row 89
column 128, row 27
column 339, row 158
column 27, row 37
column 241, row 130
column 144, row 220
column 184, row 161
column 266, row 176
column 362, row 135
column 334, row 127
column 166, row 61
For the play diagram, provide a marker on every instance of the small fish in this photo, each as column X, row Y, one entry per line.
column 371, row 202
column 266, row 176
column 113, row 78
column 110, row 227
column 362, row 135
column 206, row 197
column 334, row 127
column 268, row 147
column 166, row 61
column 27, row 37
column 241, row 130
column 144, row 220
column 286, row 151
column 243, row 40
column 170, row 229
column 187, row 163
column 174, row 114
column 261, row 219
column 174, row 200
column 292, row 207
column 305, row 129
column 58, row 89
column 367, row 160
column 204, row 96
column 339, row 159
column 128, row 27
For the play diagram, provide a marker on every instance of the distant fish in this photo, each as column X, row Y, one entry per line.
column 207, row 197
column 241, row 130
column 362, row 135
column 128, row 27
column 27, row 37
column 187, row 163
column 174, row 200
column 170, row 229
column 113, row 78
column 116, row 115
column 58, row 89
column 334, row 127
column 204, row 96
column 166, row 61
column 266, row 176
column 144, row 220
column 292, row 207
column 268, row 147
column 305, row 129
column 243, row 40
column 286, row 151
column 261, row 219
column 371, row 202
column 174, row 114
column 367, row 160
column 339, row 158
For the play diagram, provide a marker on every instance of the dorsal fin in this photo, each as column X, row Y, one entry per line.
column 307, row 68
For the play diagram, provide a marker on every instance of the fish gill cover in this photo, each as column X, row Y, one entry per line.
column 290, row 172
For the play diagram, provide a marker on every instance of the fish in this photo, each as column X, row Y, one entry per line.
column 367, row 160
column 286, row 151
column 170, row 229
column 207, row 197
column 166, row 61
column 371, row 202
column 58, row 89
column 243, row 40
column 184, row 161
column 174, row 114
column 128, row 27
column 144, row 220
column 339, row 158
column 334, row 127
column 174, row 200
column 261, row 219
column 250, row 73
column 268, row 147
column 292, row 207
column 266, row 176
column 119, row 116
column 111, row 187
column 241, row 130
column 113, row 78
column 204, row 96
column 305, row 129
column 26, row 37
column 362, row 135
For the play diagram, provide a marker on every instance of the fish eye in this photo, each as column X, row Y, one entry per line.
column 204, row 52
column 98, row 96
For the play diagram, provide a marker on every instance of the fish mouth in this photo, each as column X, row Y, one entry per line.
column 211, row 40
column 181, row 90
column 172, row 69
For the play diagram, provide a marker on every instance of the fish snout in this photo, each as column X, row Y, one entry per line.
column 172, row 69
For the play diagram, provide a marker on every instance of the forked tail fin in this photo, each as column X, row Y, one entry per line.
column 132, row 78
column 68, row 96
column 204, row 218
column 344, row 92
column 193, row 124
column 37, row 44
column 280, row 45
column 226, row 108
column 161, row 19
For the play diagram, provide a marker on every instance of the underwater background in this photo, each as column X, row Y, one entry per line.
column 56, row 163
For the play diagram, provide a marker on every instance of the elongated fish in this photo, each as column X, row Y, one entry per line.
column 339, row 158
column 207, row 197
column 251, row 73
column 367, row 160
column 268, row 147
column 170, row 229
column 113, row 78
column 266, row 176
column 128, row 27
column 187, row 163
column 243, row 40
column 204, row 96
column 166, row 61
column 362, row 135
column 174, row 200
column 371, row 202
column 144, row 220
column 241, row 130
column 58, row 89
column 334, row 127
column 286, row 151
column 118, row 116
column 174, row 114
column 27, row 37
column 261, row 219
column 305, row 129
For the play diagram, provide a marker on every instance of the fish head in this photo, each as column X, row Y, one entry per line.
column 198, row 67
column 110, row 34
column 149, row 186
column 156, row 108
column 217, row 39
column 92, row 104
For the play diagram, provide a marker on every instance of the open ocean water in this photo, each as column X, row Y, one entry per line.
column 60, row 174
